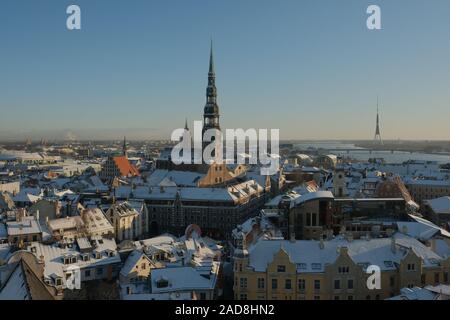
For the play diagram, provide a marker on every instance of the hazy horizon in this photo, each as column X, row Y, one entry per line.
column 309, row 68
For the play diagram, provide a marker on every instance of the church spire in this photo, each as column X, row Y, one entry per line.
column 186, row 125
column 124, row 147
column 211, row 111
column 211, row 60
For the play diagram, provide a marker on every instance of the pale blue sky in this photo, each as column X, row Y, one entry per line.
column 310, row 68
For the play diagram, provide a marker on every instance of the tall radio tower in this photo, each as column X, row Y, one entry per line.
column 377, row 130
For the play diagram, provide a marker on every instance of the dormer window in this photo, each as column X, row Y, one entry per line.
column 110, row 253
column 162, row 283
column 85, row 257
column 66, row 260
column 97, row 255
column 58, row 282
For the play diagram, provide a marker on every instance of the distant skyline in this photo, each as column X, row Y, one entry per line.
column 310, row 68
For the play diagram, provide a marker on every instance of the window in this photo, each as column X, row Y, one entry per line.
column 337, row 284
column 392, row 281
column 350, row 284
column 302, row 266
column 445, row 277
column 143, row 266
column 336, row 297
column 87, row 273
column 281, row 269
column 411, row 267
column 243, row 296
column 301, row 284
column 343, row 270
column 261, row 283
column 316, row 297
column 367, row 297
column 316, row 266
column 350, row 298
column 99, row 271
column 274, row 284
column 436, row 277
column 288, row 284
column 202, row 296
column 316, row 284
column 243, row 282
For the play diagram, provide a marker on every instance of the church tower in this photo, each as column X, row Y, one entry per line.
column 211, row 110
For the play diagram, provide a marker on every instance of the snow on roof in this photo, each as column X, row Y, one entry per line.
column 54, row 256
column 312, row 196
column 440, row 288
column 95, row 221
column 440, row 205
column 442, row 247
column 431, row 226
column 16, row 286
column 131, row 261
column 438, row 183
column 65, row 223
column 160, row 240
column 310, row 258
column 438, row 292
column 174, row 178
column 24, row 196
column 27, row 225
column 231, row 193
column 181, row 279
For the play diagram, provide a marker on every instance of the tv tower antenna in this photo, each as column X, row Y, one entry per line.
column 377, row 129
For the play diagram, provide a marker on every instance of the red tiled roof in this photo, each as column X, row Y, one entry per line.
column 125, row 167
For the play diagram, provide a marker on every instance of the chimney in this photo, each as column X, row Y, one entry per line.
column 37, row 215
column 405, row 229
column 321, row 243
column 349, row 236
column 292, row 237
column 393, row 245
column 433, row 245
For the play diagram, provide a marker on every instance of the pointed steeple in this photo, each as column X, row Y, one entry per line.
column 186, row 125
column 211, row 111
column 124, row 147
column 211, row 60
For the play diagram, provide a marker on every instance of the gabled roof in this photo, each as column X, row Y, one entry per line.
column 125, row 167
column 131, row 261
